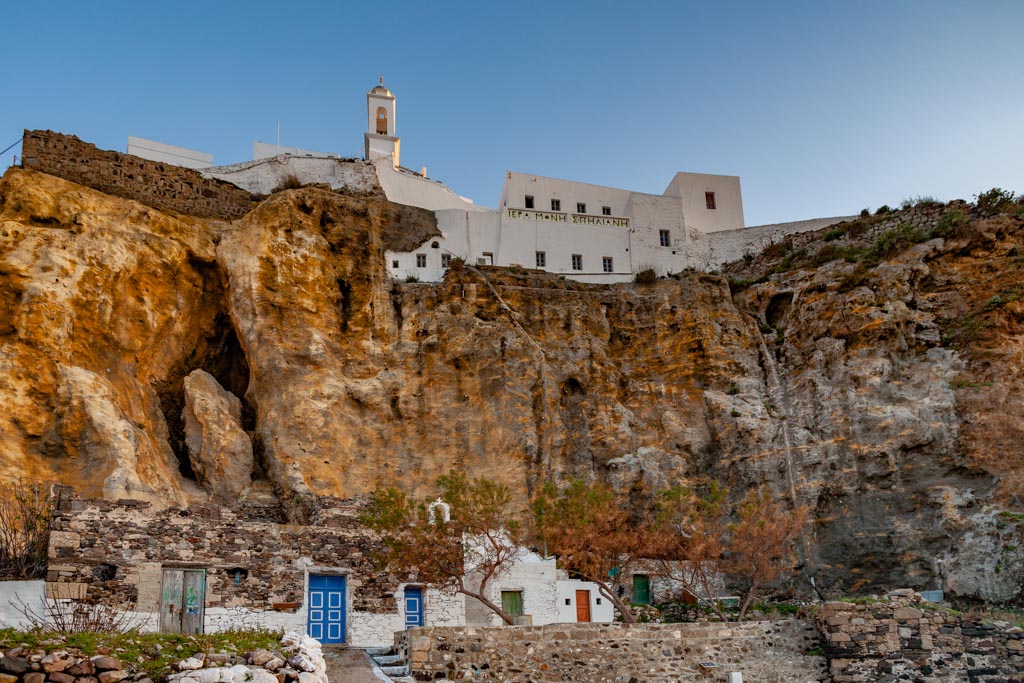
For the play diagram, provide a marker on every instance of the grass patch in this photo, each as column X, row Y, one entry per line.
column 151, row 653
column 961, row 332
column 835, row 234
column 951, row 224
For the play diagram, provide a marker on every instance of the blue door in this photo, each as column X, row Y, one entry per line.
column 413, row 607
column 326, row 614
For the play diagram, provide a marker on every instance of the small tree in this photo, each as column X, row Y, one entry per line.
column 590, row 529
column 757, row 547
column 25, row 512
column 461, row 546
column 762, row 541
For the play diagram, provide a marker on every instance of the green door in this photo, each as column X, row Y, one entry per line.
column 512, row 603
column 641, row 589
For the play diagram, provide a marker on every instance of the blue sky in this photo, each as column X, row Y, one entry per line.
column 823, row 108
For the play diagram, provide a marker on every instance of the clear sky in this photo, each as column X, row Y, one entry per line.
column 822, row 107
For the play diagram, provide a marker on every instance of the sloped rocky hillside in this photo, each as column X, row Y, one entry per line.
column 872, row 371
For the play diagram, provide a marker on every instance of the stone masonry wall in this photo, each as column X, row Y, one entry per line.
column 160, row 185
column 907, row 641
column 114, row 553
column 597, row 653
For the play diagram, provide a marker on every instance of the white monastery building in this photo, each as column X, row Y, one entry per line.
column 585, row 232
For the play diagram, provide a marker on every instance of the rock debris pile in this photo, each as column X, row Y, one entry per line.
column 301, row 661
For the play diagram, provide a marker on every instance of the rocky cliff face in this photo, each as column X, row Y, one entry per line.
column 884, row 395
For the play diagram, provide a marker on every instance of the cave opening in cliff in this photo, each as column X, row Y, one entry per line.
column 220, row 354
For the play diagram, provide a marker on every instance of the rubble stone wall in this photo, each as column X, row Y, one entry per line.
column 597, row 653
column 160, row 185
column 910, row 641
column 115, row 553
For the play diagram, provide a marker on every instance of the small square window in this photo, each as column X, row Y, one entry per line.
column 421, row 260
column 556, row 204
column 577, row 261
column 665, row 238
column 542, row 259
column 581, row 207
column 606, row 264
column 568, row 601
column 709, row 199
column 394, row 264
column 598, row 601
column 446, row 260
column 606, row 210
column 529, row 201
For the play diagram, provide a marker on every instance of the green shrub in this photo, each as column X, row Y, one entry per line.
column 919, row 200
column 646, row 276
column 951, row 224
column 733, row 390
column 883, row 209
column 835, row 234
column 735, row 413
column 1001, row 299
column 996, row 199
column 777, row 249
column 412, row 278
column 865, row 212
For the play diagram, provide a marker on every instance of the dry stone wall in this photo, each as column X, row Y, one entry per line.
column 114, row 553
column 613, row 653
column 160, row 185
column 908, row 641
column 21, row 665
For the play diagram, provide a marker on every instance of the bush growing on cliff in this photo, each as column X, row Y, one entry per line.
column 997, row 200
column 646, row 276
column 289, row 182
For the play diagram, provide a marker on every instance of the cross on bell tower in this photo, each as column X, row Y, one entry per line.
column 380, row 138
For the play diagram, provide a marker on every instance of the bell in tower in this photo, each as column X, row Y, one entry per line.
column 380, row 137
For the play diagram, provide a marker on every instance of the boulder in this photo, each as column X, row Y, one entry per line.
column 219, row 449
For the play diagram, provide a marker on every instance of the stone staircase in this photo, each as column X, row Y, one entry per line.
column 391, row 665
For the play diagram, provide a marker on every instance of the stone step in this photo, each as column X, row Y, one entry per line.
column 395, row 670
column 403, row 679
column 388, row 659
column 372, row 651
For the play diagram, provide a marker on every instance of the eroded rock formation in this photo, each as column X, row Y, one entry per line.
column 219, row 450
column 860, row 391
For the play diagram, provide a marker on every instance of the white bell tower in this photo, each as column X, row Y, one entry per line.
column 380, row 137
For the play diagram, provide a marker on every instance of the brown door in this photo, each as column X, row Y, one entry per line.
column 582, row 605
column 182, row 599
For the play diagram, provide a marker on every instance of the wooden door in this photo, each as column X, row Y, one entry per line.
column 641, row 589
column 325, row 618
column 413, row 607
column 582, row 606
column 182, row 601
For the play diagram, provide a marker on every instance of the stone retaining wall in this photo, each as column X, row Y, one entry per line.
column 614, row 653
column 160, row 185
column 890, row 642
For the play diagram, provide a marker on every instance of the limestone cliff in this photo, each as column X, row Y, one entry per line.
column 884, row 395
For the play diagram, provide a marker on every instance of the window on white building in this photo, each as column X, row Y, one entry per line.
column 529, row 201
column 556, row 204
column 446, row 260
column 394, row 264
column 665, row 238
column 577, row 261
column 421, row 260
column 606, row 264
column 581, row 207
column 542, row 259
column 606, row 210
column 709, row 199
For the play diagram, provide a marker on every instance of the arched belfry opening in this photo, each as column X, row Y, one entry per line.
column 381, row 140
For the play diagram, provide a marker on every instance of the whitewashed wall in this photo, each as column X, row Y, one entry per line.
column 728, row 211
column 536, row 578
column 732, row 245
column 16, row 594
column 405, row 187
column 601, row 609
